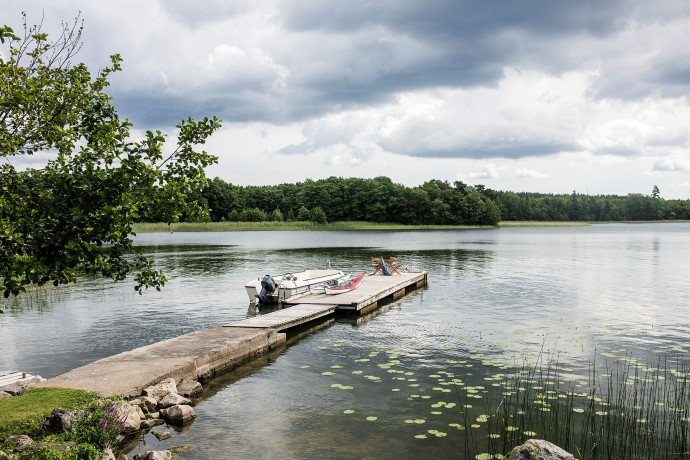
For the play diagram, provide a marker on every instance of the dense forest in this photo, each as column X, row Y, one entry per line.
column 434, row 202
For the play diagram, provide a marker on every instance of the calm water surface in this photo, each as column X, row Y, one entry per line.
column 375, row 386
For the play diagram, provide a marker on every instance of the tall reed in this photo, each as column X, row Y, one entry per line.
column 626, row 411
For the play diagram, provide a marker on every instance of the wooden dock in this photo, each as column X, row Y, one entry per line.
column 308, row 307
column 10, row 377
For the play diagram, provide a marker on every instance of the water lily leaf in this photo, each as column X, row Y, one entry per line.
column 372, row 418
column 348, row 411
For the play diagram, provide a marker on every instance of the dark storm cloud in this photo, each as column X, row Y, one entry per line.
column 346, row 55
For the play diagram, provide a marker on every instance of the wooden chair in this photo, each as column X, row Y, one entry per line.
column 376, row 265
column 394, row 264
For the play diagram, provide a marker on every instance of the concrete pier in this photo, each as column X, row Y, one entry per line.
column 198, row 355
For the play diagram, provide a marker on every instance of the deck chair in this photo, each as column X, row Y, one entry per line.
column 394, row 264
column 376, row 265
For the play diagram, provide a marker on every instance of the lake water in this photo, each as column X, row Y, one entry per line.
column 394, row 384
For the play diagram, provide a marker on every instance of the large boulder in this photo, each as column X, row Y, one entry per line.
column 128, row 414
column 154, row 455
column 172, row 400
column 538, row 449
column 57, row 422
column 147, row 403
column 178, row 414
column 21, row 442
column 161, row 389
column 189, row 387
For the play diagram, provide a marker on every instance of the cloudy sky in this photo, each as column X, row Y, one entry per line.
column 537, row 95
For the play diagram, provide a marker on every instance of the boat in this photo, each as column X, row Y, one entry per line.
column 346, row 285
column 279, row 288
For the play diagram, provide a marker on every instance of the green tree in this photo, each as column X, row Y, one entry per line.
column 318, row 216
column 277, row 216
column 75, row 214
column 303, row 214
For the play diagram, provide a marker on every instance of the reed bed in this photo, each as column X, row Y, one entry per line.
column 627, row 411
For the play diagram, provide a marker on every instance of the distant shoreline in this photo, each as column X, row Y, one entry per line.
column 335, row 226
column 356, row 226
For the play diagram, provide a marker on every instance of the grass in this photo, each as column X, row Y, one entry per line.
column 24, row 414
column 541, row 223
column 286, row 226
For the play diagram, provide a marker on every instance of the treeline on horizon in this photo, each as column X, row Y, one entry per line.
column 434, row 202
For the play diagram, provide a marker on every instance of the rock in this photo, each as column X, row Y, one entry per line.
column 189, row 387
column 154, row 455
column 122, row 410
column 153, row 415
column 122, row 457
column 150, row 423
column 172, row 400
column 178, row 414
column 162, row 435
column 58, row 422
column 149, row 403
column 21, row 442
column 3, row 455
column 108, row 455
column 159, row 390
column 4, row 394
column 538, row 449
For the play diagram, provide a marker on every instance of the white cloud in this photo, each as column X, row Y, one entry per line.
column 489, row 171
column 672, row 164
column 529, row 174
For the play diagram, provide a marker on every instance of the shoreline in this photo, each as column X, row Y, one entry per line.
column 160, row 227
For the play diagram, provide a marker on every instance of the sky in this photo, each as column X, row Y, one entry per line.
column 538, row 95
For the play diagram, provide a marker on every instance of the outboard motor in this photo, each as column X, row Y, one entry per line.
column 268, row 285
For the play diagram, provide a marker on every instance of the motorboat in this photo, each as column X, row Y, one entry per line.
column 280, row 288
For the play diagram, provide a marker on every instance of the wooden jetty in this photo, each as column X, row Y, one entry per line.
column 307, row 307
column 9, row 377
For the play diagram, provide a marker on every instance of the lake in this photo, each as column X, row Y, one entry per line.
column 410, row 380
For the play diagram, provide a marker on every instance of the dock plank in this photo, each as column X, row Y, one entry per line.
column 287, row 317
column 371, row 290
column 10, row 377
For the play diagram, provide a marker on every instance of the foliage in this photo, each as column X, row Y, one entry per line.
column 95, row 426
column 371, row 200
column 75, row 214
column 579, row 207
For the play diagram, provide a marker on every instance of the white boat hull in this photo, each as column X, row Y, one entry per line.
column 292, row 284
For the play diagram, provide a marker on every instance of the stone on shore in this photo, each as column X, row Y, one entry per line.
column 161, row 389
column 178, row 414
column 57, row 422
column 172, row 400
column 189, row 387
column 154, row 455
column 124, row 411
column 538, row 449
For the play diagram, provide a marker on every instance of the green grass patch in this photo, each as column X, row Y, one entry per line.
column 287, row 226
column 24, row 414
